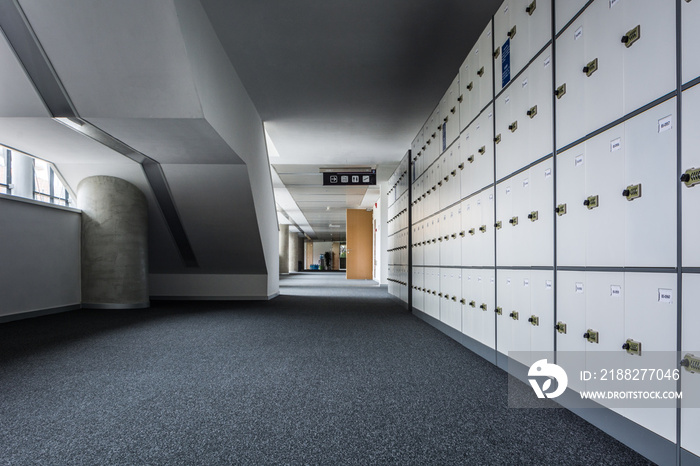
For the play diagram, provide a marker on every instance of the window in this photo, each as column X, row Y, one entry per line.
column 26, row 176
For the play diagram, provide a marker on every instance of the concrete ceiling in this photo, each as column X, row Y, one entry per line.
column 344, row 82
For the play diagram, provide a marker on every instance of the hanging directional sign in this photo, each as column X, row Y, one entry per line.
column 350, row 178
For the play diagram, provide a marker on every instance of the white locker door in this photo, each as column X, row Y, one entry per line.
column 570, row 101
column 419, row 282
column 502, row 24
column 605, row 309
column 605, row 225
column 650, row 318
column 690, row 141
column 466, row 92
column 469, row 289
column 466, row 240
column 536, row 18
column 444, row 237
column 433, row 301
column 447, row 310
column 537, row 110
column 690, row 41
column 690, row 382
column 650, row 160
column 504, row 301
column 432, row 251
column 522, row 304
column 450, row 114
column 541, row 216
column 542, row 308
column 482, row 149
column 488, row 306
column 455, row 238
column 571, row 316
column 505, row 234
column 506, row 150
column 520, row 226
column 519, row 37
column 571, row 215
column 450, row 179
column 484, row 245
column 477, row 314
column 565, row 11
column 464, row 147
column 656, row 44
column 604, row 88
column 484, row 59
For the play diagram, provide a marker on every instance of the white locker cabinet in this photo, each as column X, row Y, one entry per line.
column 540, row 215
column 450, row 250
column 468, row 292
column 502, row 25
column 506, row 223
column 656, row 45
column 482, row 73
column 432, row 285
column 450, row 313
column 541, row 315
column 690, row 41
column 486, row 300
column 520, row 226
column 520, row 327
column 509, row 143
column 571, row 322
column 690, row 141
column 418, row 286
column 468, row 243
column 569, row 88
column 450, row 192
column 535, row 118
column 449, row 115
column 441, row 183
column 464, row 169
column 605, row 310
column 432, row 250
column 571, row 214
column 476, row 149
column 505, row 306
column 565, row 10
column 690, row 382
column 431, row 136
column 466, row 92
column 485, row 232
column 650, row 161
column 474, row 311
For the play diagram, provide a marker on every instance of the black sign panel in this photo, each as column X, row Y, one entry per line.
column 350, row 179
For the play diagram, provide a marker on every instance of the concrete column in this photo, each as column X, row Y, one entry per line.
column 293, row 251
column 114, row 244
column 284, row 248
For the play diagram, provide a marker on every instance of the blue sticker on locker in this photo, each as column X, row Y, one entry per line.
column 505, row 63
column 444, row 137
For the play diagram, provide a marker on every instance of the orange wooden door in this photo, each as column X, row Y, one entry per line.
column 359, row 241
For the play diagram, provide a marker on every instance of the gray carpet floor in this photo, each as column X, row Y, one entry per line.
column 331, row 372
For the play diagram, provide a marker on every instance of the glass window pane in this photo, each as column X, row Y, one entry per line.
column 59, row 190
column 3, row 166
column 42, row 184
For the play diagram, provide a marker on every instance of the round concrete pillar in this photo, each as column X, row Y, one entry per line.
column 284, row 248
column 114, row 244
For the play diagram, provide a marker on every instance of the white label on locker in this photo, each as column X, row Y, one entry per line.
column 578, row 161
column 507, row 190
column 507, row 281
column 505, row 10
column 478, row 202
column 615, row 144
column 466, row 67
column 490, row 197
column 579, row 287
column 478, row 279
column 469, row 207
column 524, row 82
column 493, row 280
column 665, row 124
column 665, row 296
column 476, row 52
column 488, row 34
column 548, row 285
column 469, row 278
column 615, row 291
column 507, row 100
column 490, row 115
column 547, row 173
column 613, row 3
column 478, row 126
column 578, row 33
column 526, row 182
column 466, row 136
column 547, row 61
column 526, row 282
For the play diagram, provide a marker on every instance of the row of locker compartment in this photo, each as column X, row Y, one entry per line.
column 398, row 182
column 397, row 278
column 398, row 249
column 397, row 214
column 628, row 313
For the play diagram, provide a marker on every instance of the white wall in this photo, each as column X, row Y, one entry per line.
column 40, row 250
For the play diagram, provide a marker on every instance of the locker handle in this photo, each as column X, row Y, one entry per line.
column 453, row 109
column 445, row 120
column 454, row 235
column 472, row 231
column 460, row 98
column 514, row 315
column 462, row 233
column 470, row 86
column 691, row 177
column 461, row 166
column 496, row 52
column 454, row 298
column 561, row 90
column 483, row 306
column 453, row 173
column 591, row 67
column 447, row 237
column 481, row 70
column 513, row 126
column 482, row 228
column 447, row 178
column 440, row 183
column 632, row 36
column 497, row 225
column 690, row 362
column 497, row 139
column 531, row 9
column 470, row 159
column 482, row 150
column 440, row 294
column 513, row 221
column 433, row 135
column 472, row 303
column 532, row 112
column 498, row 310
column 463, row 301
column 512, row 32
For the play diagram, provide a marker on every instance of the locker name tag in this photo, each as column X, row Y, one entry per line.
column 578, row 33
column 524, row 83
column 665, row 123
column 615, row 144
column 579, row 287
column 615, row 291
column 633, row 192
column 547, row 173
column 665, row 296
column 578, row 161
column 548, row 285
column 526, row 182
column 547, row 61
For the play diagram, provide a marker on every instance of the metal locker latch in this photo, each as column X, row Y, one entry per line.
column 483, row 306
column 453, row 109
column 480, row 72
column 445, row 120
column 462, row 233
column 463, row 301
column 423, row 147
column 498, row 311
column 433, row 135
column 447, row 178
column 512, row 32
column 633, row 347
column 428, row 142
column 447, row 297
column 591, row 202
column 633, row 192
column 439, row 294
column 532, row 112
column 434, row 187
column 513, row 221
column 470, row 159
column 533, row 216
column 560, row 327
column 591, row 336
column 472, row 304
column 482, row 228
column 461, row 166
column 534, row 320
column 591, row 67
column 691, row 177
column 439, row 239
column 454, row 235
column 496, row 52
column 472, row 231
column 513, row 126
column 482, row 150
column 531, row 9
column 440, row 183
column 561, row 90
column 498, row 225
column 460, row 99
column 514, row 315
column 632, row 36
column 453, row 173
column 561, row 209
column 454, row 298
column 691, row 363
column 470, row 86
column 447, row 237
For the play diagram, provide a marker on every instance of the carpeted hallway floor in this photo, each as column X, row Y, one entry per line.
column 331, row 372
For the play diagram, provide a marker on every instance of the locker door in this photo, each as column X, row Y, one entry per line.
column 482, row 145
column 651, row 320
column 571, row 215
column 504, row 301
column 565, row 10
column 520, row 327
column 650, row 160
column 455, row 238
column 484, row 245
column 690, row 141
column 432, row 302
column 690, row 382
column 690, row 41
column 477, row 314
column 419, row 283
column 519, row 229
column 507, row 150
column 570, row 102
column 605, row 309
column 656, row 46
column 466, row 92
column 483, row 58
column 446, row 248
column 540, row 224
column 464, row 146
column 505, row 234
column 466, row 240
column 605, row 226
column 450, row 114
column 449, row 177
column 537, row 109
column 488, row 298
column 603, row 88
column 502, row 24
column 447, row 310
column 571, row 313
column 536, row 18
column 542, row 307
column 469, row 290
column 520, row 40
